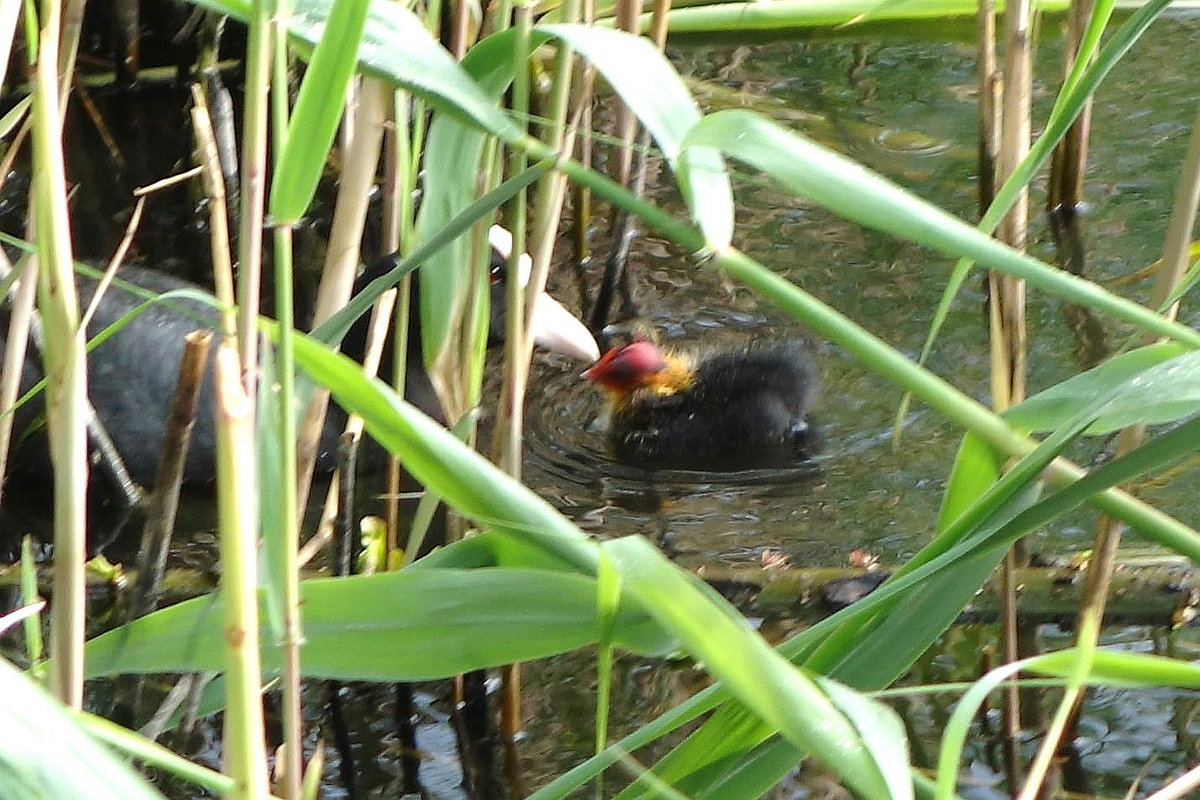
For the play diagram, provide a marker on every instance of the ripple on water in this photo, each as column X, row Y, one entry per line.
column 910, row 142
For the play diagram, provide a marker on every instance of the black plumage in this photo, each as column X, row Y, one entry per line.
column 731, row 410
column 132, row 374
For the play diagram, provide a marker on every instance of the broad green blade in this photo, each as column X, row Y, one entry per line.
column 785, row 698
column 406, row 625
column 655, row 93
column 1164, row 387
column 44, row 754
column 318, row 108
column 435, row 457
column 856, row 193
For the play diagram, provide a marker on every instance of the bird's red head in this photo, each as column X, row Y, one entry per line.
column 627, row 368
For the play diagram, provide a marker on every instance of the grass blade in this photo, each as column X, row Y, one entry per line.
column 785, row 698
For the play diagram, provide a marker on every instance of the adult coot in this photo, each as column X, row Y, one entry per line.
column 132, row 374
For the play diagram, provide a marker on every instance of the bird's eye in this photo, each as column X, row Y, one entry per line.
column 498, row 267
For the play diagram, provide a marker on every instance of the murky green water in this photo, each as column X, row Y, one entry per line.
column 906, row 108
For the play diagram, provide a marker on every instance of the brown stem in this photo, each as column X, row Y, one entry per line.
column 989, row 90
column 164, row 502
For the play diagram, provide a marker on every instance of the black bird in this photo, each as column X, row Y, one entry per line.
column 728, row 410
column 132, row 375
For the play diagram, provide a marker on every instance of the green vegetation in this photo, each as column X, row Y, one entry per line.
column 529, row 584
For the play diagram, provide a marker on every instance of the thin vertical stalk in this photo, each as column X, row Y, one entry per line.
column 237, row 511
column 989, row 118
column 398, row 221
column 658, row 23
column 514, row 324
column 1069, row 162
column 17, row 342
column 67, row 46
column 65, row 369
column 1006, row 318
column 616, row 277
column 583, row 195
column 516, row 365
column 1072, row 694
column 293, row 633
column 237, row 498
column 1176, row 257
column 164, row 502
column 1010, row 703
column 408, row 145
column 1177, row 245
column 32, row 624
column 253, row 182
column 463, row 392
column 218, row 222
column 460, row 28
column 628, row 18
column 1008, row 303
column 551, row 189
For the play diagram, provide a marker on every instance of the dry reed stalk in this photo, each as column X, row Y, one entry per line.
column 1180, row 787
column 23, row 300
column 511, row 408
column 582, row 195
column 218, row 221
column 628, row 13
column 395, row 206
column 1006, row 318
column 164, row 502
column 381, row 315
column 1008, row 300
column 20, row 322
column 511, row 413
column 252, row 178
column 68, row 46
column 989, row 95
column 1069, row 162
column 342, row 258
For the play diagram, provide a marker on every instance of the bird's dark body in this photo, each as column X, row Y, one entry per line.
column 132, row 376
column 742, row 409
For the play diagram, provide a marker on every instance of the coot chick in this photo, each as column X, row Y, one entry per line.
column 728, row 410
